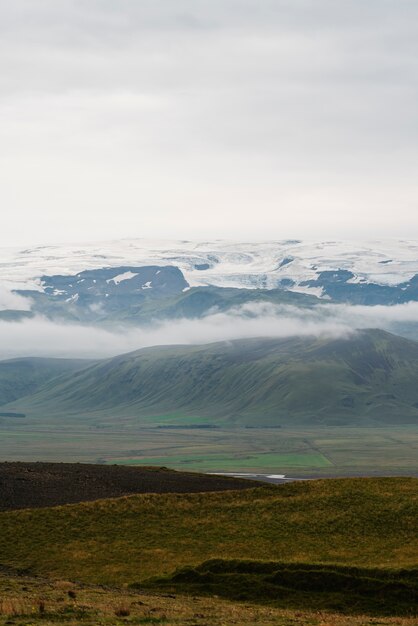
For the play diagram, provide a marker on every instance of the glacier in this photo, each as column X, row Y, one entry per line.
column 291, row 264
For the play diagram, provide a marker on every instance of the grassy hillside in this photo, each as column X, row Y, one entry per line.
column 367, row 523
column 20, row 377
column 367, row 379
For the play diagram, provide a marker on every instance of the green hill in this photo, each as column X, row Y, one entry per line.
column 355, row 537
column 20, row 377
column 358, row 522
column 367, row 379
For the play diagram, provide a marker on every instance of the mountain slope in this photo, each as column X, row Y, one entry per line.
column 93, row 297
column 369, row 378
column 20, row 377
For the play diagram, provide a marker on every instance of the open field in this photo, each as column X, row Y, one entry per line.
column 298, row 452
column 29, row 601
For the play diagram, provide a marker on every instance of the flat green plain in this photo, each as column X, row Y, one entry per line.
column 250, row 462
column 317, row 451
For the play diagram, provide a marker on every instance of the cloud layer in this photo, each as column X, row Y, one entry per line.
column 10, row 300
column 40, row 337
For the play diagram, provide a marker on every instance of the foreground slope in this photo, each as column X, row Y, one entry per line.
column 368, row 523
column 369, row 378
column 331, row 546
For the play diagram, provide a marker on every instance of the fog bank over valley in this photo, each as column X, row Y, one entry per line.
column 41, row 337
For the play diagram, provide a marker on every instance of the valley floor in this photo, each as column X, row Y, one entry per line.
column 314, row 452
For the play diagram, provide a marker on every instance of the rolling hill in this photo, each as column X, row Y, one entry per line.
column 20, row 377
column 367, row 379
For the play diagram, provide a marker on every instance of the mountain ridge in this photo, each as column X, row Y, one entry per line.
column 368, row 378
column 22, row 376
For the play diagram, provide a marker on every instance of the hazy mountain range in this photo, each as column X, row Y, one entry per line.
column 369, row 379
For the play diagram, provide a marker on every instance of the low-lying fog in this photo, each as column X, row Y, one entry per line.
column 41, row 337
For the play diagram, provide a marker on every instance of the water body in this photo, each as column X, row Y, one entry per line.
column 268, row 478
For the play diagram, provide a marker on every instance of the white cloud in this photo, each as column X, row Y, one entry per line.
column 190, row 118
column 40, row 337
column 9, row 300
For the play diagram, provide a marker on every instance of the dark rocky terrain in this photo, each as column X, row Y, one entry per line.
column 38, row 485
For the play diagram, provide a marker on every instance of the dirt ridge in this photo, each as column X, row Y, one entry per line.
column 39, row 485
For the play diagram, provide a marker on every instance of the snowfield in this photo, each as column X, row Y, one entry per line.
column 221, row 263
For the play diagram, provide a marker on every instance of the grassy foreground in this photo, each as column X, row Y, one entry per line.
column 355, row 522
column 27, row 601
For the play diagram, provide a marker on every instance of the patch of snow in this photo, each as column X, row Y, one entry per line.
column 147, row 285
column 121, row 277
column 311, row 291
column 73, row 298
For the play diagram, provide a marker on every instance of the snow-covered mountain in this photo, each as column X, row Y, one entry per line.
column 373, row 272
column 222, row 263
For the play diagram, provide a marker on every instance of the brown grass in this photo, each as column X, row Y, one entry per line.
column 96, row 605
column 362, row 522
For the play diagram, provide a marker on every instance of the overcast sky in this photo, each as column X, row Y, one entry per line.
column 245, row 119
